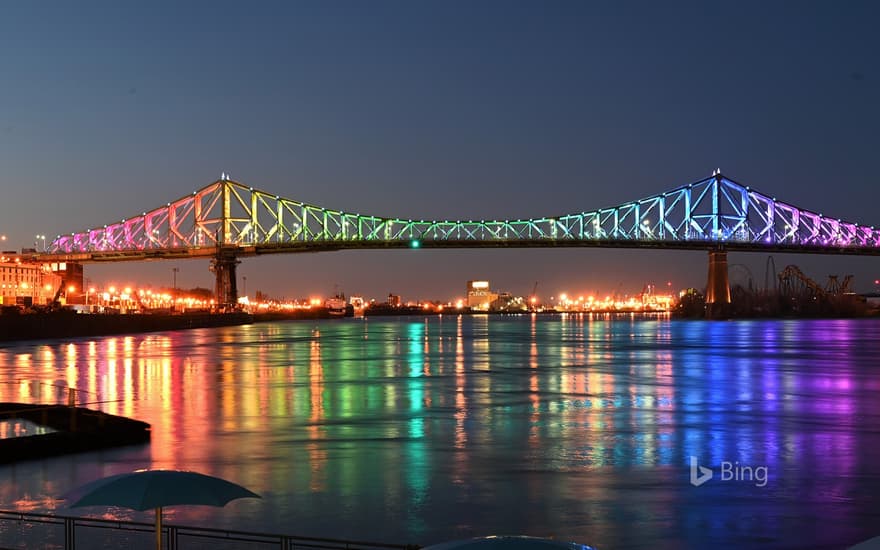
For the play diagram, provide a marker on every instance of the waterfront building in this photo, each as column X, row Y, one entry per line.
column 480, row 295
column 26, row 283
column 506, row 301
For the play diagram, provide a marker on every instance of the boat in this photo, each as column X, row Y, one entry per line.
column 336, row 306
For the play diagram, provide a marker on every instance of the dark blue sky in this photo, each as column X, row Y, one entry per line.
column 437, row 110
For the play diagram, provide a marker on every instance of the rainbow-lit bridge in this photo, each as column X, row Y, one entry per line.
column 228, row 220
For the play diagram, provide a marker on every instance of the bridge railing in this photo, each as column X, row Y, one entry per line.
column 49, row 531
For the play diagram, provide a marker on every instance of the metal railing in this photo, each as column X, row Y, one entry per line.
column 48, row 531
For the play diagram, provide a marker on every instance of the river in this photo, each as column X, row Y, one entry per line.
column 421, row 430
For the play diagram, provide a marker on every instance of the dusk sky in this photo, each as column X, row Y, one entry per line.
column 437, row 110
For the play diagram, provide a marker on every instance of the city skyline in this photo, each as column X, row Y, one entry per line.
column 492, row 111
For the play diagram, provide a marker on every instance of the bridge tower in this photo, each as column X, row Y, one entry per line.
column 225, row 259
column 718, row 286
column 223, row 267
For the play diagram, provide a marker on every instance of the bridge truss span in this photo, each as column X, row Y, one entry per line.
column 712, row 213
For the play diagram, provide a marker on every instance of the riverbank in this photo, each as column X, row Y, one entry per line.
column 74, row 430
column 69, row 324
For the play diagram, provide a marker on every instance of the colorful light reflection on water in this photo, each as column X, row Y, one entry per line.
column 428, row 429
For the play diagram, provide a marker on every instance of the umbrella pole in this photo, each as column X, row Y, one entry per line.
column 159, row 528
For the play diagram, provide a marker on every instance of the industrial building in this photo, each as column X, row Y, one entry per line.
column 480, row 295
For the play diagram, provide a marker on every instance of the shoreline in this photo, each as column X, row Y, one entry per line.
column 69, row 324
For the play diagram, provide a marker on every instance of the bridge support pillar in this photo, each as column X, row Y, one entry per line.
column 225, row 289
column 717, row 287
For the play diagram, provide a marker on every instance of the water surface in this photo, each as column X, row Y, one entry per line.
column 421, row 430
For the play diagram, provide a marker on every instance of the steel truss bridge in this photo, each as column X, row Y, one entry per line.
column 227, row 220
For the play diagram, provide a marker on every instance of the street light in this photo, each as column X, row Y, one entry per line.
column 43, row 238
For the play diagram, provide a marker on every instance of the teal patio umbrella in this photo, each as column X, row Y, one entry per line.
column 155, row 489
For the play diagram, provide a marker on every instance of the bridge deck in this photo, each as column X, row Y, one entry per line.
column 329, row 246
